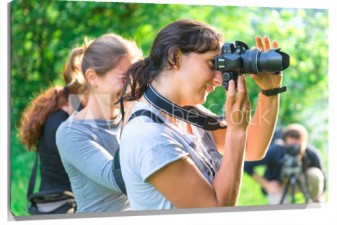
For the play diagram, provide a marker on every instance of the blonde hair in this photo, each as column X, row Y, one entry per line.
column 105, row 52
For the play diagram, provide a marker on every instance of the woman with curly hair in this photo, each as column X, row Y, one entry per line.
column 43, row 116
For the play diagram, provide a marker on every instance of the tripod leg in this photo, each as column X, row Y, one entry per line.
column 285, row 191
column 293, row 182
column 303, row 190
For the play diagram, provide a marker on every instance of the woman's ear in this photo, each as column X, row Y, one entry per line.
column 178, row 57
column 175, row 57
column 91, row 77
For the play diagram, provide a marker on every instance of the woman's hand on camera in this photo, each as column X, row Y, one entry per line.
column 237, row 105
column 266, row 80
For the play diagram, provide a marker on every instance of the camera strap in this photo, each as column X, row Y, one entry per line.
column 32, row 178
column 188, row 114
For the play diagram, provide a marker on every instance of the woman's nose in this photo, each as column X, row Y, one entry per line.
column 217, row 81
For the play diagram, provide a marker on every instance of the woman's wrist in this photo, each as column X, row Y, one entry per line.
column 237, row 131
column 273, row 91
column 267, row 103
column 268, row 98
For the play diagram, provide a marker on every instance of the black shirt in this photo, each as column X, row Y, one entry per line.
column 53, row 174
column 274, row 162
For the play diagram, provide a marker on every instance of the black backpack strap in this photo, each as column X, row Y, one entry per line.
column 32, row 178
column 118, row 173
column 116, row 162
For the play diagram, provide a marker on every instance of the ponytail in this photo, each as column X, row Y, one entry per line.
column 138, row 77
column 179, row 37
column 35, row 115
column 72, row 73
column 37, row 112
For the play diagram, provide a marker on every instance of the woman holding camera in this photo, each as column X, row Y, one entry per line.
column 164, row 158
column 88, row 140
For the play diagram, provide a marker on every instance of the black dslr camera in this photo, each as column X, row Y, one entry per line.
column 236, row 58
column 292, row 166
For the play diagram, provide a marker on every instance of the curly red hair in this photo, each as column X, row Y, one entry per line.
column 54, row 98
column 37, row 112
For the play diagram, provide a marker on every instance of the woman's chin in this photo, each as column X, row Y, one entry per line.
column 202, row 99
column 114, row 101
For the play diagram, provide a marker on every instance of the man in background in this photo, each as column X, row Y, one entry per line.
column 290, row 156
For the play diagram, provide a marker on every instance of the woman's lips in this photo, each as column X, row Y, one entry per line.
column 210, row 88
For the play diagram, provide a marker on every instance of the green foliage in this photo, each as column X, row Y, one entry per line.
column 44, row 32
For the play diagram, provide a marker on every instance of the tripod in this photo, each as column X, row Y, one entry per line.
column 292, row 180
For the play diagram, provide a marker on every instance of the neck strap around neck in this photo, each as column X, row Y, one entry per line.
column 188, row 114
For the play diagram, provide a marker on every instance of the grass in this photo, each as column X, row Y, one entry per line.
column 21, row 164
column 251, row 194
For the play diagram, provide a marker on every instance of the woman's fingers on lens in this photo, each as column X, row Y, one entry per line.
column 266, row 43
column 275, row 44
column 259, row 44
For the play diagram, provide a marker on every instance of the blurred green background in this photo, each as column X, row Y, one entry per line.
column 44, row 32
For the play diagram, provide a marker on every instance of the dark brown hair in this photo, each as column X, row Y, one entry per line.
column 183, row 36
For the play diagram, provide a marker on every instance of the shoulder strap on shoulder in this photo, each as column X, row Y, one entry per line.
column 118, row 173
column 32, row 178
column 116, row 162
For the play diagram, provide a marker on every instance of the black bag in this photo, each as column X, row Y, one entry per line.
column 48, row 202
column 51, row 202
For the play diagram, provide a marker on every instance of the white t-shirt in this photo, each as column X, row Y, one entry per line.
column 147, row 146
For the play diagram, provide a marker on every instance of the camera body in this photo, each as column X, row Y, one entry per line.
column 292, row 166
column 236, row 59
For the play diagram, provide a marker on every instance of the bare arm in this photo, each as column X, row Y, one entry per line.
column 181, row 181
column 185, row 187
column 262, row 125
column 261, row 129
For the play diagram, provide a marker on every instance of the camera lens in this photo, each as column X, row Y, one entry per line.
column 293, row 149
column 236, row 59
column 250, row 61
column 272, row 61
column 256, row 61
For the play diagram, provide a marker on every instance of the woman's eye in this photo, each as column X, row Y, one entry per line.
column 211, row 63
